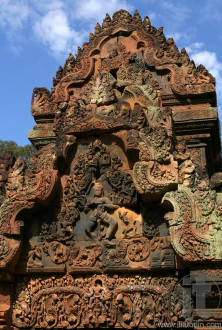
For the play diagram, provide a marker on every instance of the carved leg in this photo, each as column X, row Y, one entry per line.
column 112, row 226
column 91, row 226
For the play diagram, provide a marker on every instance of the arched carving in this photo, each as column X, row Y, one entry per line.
column 83, row 228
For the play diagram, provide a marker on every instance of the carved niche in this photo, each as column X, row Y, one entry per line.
column 116, row 202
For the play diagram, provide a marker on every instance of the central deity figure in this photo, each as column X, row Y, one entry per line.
column 99, row 205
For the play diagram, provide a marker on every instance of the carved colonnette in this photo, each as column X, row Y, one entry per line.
column 116, row 206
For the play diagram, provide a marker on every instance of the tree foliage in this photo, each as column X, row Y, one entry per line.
column 24, row 151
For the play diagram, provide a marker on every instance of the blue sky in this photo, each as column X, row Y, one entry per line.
column 36, row 37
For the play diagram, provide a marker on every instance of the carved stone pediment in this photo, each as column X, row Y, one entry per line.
column 116, row 205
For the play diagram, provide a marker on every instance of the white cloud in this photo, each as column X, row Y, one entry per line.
column 57, row 24
column 208, row 59
column 56, row 28
column 54, row 31
column 54, row 22
column 97, row 9
column 194, row 47
column 13, row 14
column 13, row 17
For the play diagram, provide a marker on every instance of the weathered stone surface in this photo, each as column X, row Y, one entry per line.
column 7, row 160
column 95, row 301
column 116, row 206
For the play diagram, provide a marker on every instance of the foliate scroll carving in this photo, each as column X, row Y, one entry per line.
column 157, row 139
column 195, row 223
column 49, row 256
column 153, row 179
column 8, row 250
column 181, row 152
column 43, row 159
column 86, row 256
column 95, row 302
column 128, row 254
column 39, row 189
column 122, row 73
column 16, row 177
column 100, row 164
column 82, row 69
column 156, row 172
column 160, row 53
column 186, row 80
column 42, row 103
column 125, row 60
column 132, row 255
column 7, row 160
column 100, row 91
column 187, row 173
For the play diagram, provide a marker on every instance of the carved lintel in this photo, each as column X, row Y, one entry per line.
column 100, row 300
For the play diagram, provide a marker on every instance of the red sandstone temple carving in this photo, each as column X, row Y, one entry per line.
column 116, row 208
